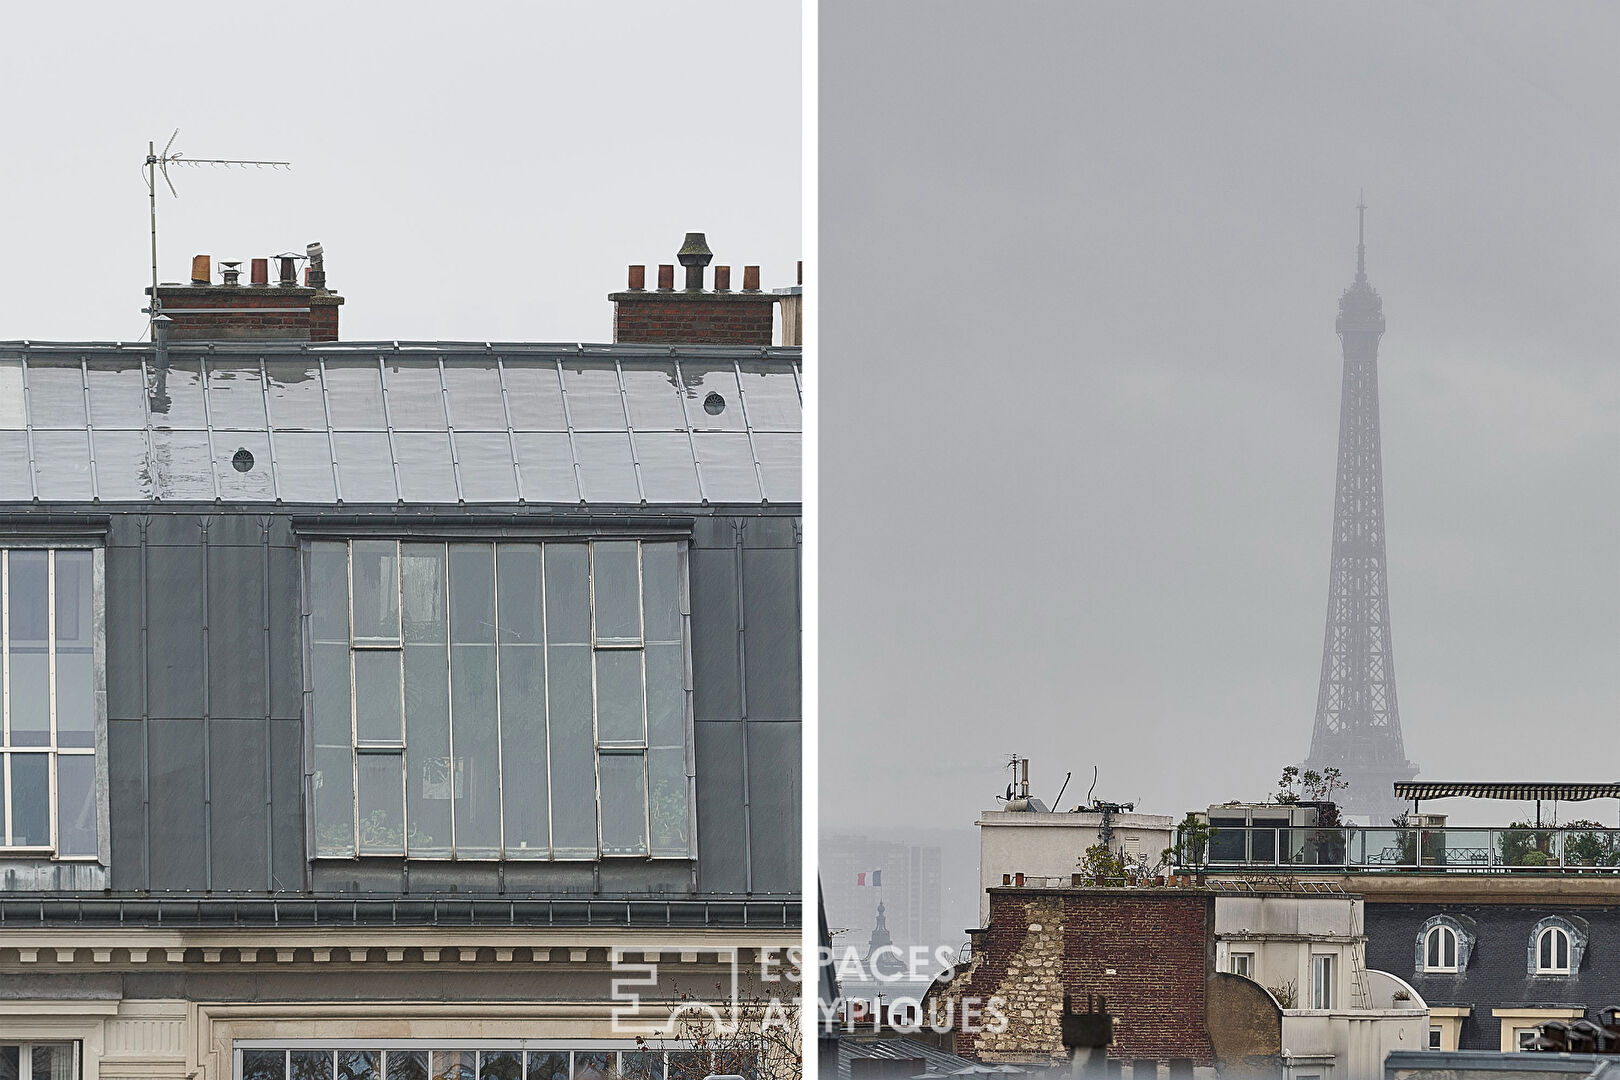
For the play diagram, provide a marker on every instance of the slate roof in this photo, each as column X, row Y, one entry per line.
column 400, row 423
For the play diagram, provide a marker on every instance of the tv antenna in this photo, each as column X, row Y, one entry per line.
column 159, row 163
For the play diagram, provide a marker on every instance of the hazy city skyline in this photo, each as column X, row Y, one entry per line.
column 1090, row 340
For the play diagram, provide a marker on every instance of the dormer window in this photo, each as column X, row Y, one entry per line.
column 1443, row 945
column 1552, row 952
column 1556, row 945
column 1440, row 953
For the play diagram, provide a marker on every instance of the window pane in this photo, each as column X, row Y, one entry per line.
column 473, row 711
column 236, row 398
column 703, row 380
column 666, row 696
column 177, row 396
column 616, row 591
column 382, row 804
column 334, row 801
column 53, row 1061
column 264, row 1065
column 55, row 394
column 772, row 398
column 377, row 696
column 62, row 464
column 30, row 800
column 254, row 485
column 427, row 698
column 523, row 705
column 354, row 1064
column 76, row 804
column 671, row 815
column 1433, row 959
column 1562, row 941
column 779, row 457
column 547, row 462
column 295, row 395
column 624, row 804
column 117, row 397
column 376, row 591
column 407, row 1065
column 573, row 750
column 1449, row 949
column 329, row 592
column 688, row 1064
column 365, row 467
column 1546, row 950
column 642, row 1064
column 568, row 604
column 661, row 591
column 728, row 467
column 311, row 1065
column 500, row 1065
column 534, row 395
column 29, row 655
column 606, row 471
column 426, row 472
column 593, row 1064
column 654, row 397
column 122, row 472
column 415, row 397
column 668, row 470
column 620, row 706
column 593, row 397
column 354, row 394
column 10, row 1056
column 547, row 1065
column 16, row 484
column 75, row 650
column 181, row 465
column 486, row 466
column 454, row 1065
column 475, row 396
column 304, row 467
column 733, row 1061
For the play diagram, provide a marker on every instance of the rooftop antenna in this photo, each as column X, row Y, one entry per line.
column 159, row 163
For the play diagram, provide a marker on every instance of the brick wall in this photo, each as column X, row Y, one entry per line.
column 1148, row 951
column 249, row 313
column 715, row 318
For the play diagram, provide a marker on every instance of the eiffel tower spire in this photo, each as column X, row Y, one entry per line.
column 1358, row 722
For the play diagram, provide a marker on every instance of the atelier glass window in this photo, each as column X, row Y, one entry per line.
column 1552, row 952
column 39, row 1061
column 49, row 683
column 1440, row 949
column 500, row 700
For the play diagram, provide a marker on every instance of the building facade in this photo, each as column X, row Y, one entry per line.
column 379, row 710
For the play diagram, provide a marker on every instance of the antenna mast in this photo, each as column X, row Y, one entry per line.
column 159, row 163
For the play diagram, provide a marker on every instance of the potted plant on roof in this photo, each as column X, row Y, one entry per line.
column 1592, row 846
column 1104, row 866
column 1522, row 844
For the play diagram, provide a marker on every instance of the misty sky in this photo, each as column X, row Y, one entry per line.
column 479, row 171
column 1081, row 265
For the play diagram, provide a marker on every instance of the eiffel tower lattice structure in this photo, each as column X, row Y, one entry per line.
column 1358, row 721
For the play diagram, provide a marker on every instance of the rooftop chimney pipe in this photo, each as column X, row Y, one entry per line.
column 289, row 272
column 201, row 270
column 261, row 272
column 694, row 255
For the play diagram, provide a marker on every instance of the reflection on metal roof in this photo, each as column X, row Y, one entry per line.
column 399, row 423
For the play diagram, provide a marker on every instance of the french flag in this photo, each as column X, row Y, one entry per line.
column 875, row 875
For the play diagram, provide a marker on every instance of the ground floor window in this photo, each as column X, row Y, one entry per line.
column 605, row 1061
column 39, row 1061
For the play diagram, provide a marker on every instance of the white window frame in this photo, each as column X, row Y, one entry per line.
column 1437, row 1037
column 25, row 1057
column 1523, row 1037
column 1434, row 949
column 1544, row 939
column 1322, row 965
column 1243, row 960
column 8, row 752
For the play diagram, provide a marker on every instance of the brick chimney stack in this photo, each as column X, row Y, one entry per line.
column 260, row 311
column 693, row 315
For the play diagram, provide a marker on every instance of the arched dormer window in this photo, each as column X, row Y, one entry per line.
column 1556, row 945
column 1443, row 945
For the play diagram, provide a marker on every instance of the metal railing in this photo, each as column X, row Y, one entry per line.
column 1353, row 847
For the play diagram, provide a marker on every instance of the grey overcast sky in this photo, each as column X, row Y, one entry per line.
column 477, row 171
column 1081, row 264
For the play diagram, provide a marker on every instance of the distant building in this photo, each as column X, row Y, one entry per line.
column 1047, row 848
column 1498, row 929
column 910, row 891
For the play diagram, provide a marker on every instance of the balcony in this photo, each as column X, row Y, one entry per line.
column 1435, row 850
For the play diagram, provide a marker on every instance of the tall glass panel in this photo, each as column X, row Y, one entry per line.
column 11, row 1063
column 624, row 804
column 668, row 791
column 546, row 1065
column 382, row 804
column 455, row 1065
column 569, row 701
column 29, row 620
column 616, row 592
column 500, row 1065
column 76, row 804
column 474, row 714
column 310, row 1065
column 407, row 1065
column 641, row 1064
column 264, row 1065
column 30, row 800
column 356, row 1064
column 332, row 715
column 377, row 696
column 53, row 1061
column 523, row 704
column 75, row 650
column 376, row 592
column 621, row 716
column 593, row 1064
column 431, row 779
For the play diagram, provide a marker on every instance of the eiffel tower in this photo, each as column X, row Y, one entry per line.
column 1358, row 722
